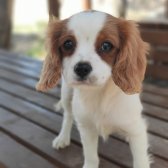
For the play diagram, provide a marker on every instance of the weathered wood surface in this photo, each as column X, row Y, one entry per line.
column 28, row 123
column 156, row 34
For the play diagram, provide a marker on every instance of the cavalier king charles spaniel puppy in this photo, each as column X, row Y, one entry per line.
column 102, row 61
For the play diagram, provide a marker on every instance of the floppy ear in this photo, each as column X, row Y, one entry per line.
column 51, row 71
column 130, row 64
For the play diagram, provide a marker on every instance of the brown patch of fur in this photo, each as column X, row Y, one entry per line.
column 51, row 71
column 109, row 33
column 129, row 68
column 128, row 56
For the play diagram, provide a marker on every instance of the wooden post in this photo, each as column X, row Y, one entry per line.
column 6, row 10
column 123, row 8
column 53, row 8
column 166, row 8
column 87, row 4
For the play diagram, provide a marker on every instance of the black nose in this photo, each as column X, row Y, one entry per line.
column 82, row 69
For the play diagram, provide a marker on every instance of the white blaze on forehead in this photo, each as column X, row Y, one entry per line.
column 87, row 24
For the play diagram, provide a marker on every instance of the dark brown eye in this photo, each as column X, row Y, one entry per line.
column 106, row 46
column 68, row 45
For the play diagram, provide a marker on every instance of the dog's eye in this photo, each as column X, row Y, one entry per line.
column 68, row 45
column 106, row 46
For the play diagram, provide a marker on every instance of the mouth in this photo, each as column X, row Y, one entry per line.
column 82, row 82
column 88, row 81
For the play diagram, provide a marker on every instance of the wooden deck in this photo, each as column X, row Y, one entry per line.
column 28, row 123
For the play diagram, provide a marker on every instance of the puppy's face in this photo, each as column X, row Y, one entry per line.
column 91, row 47
column 87, row 50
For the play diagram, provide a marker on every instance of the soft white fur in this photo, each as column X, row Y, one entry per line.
column 98, row 106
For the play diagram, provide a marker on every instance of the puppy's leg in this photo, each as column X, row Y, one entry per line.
column 89, row 138
column 139, row 145
column 63, row 139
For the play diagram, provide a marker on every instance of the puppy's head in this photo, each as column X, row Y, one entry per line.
column 91, row 47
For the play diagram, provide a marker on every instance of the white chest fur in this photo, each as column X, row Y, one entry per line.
column 107, row 109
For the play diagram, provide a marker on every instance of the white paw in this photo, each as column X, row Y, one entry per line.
column 144, row 165
column 90, row 166
column 61, row 142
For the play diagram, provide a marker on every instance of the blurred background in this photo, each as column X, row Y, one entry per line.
column 23, row 23
column 28, row 122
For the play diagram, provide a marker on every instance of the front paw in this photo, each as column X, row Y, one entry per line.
column 61, row 141
column 91, row 165
column 142, row 165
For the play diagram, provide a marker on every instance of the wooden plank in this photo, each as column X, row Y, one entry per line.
column 158, row 144
column 12, row 55
column 21, row 62
column 25, row 81
column 23, row 158
column 155, row 99
column 155, row 111
column 40, row 140
column 155, row 37
column 159, row 163
column 157, row 71
column 32, row 112
column 159, row 55
column 42, row 117
column 151, row 88
column 21, row 70
column 27, row 94
column 30, row 70
column 22, row 67
column 157, row 127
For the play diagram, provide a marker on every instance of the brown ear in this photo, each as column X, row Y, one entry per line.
column 51, row 71
column 130, row 65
